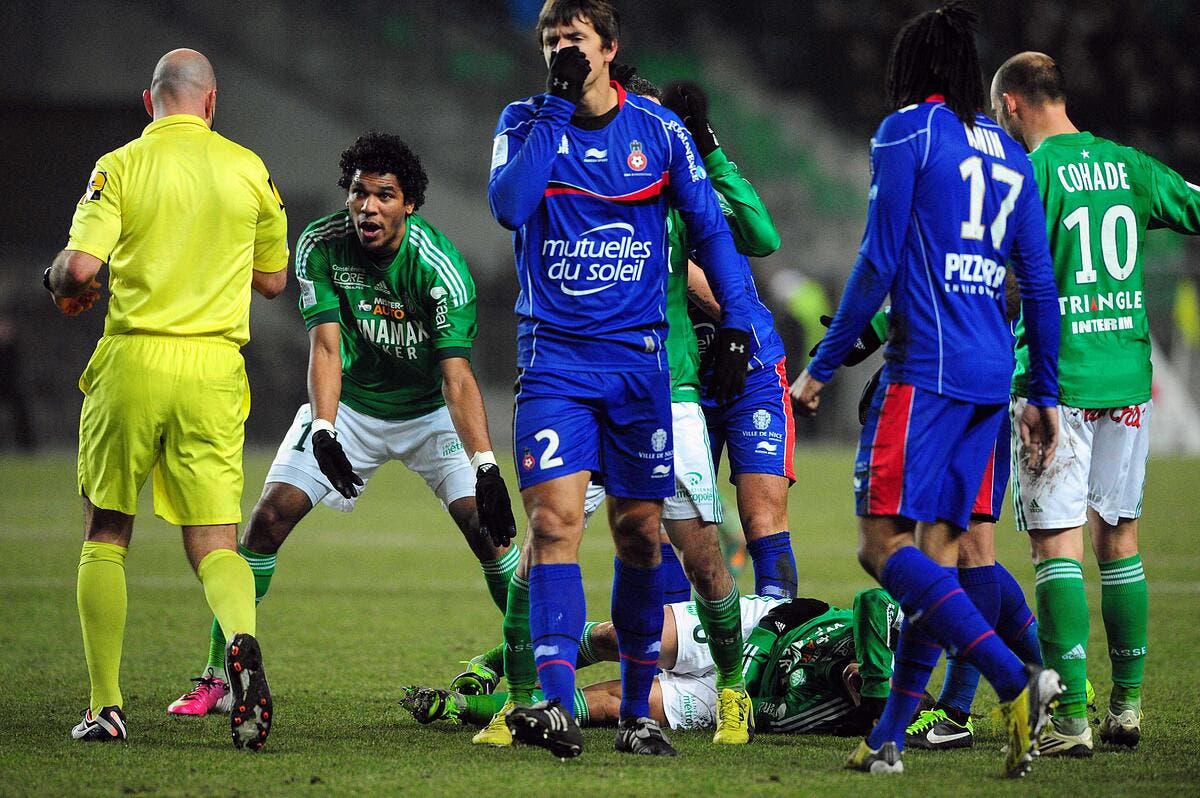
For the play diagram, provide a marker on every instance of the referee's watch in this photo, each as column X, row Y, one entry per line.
column 46, row 279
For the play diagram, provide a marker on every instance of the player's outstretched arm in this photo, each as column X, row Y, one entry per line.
column 527, row 139
column 71, row 280
column 465, row 403
column 324, row 391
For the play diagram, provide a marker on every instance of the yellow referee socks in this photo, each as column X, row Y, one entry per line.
column 100, row 594
column 229, row 588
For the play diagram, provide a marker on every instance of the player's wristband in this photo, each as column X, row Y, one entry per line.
column 482, row 458
column 319, row 424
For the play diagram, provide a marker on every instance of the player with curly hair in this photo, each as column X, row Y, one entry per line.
column 390, row 308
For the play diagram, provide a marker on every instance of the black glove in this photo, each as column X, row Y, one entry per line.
column 868, row 394
column 494, row 506
column 730, row 358
column 866, row 344
column 690, row 104
column 569, row 69
column 334, row 465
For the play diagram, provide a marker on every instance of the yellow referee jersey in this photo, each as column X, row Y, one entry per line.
column 182, row 215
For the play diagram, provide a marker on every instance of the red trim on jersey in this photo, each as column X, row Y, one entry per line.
column 936, row 98
column 620, row 93
column 648, row 192
column 789, row 438
column 886, row 487
column 983, row 500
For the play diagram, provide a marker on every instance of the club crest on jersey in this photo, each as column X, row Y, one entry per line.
column 658, row 441
column 527, row 460
column 637, row 159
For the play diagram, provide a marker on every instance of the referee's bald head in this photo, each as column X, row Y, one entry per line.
column 183, row 83
column 182, row 76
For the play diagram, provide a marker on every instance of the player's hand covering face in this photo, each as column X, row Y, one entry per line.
column 379, row 212
column 581, row 35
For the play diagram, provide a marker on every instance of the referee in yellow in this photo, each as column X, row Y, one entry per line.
column 188, row 223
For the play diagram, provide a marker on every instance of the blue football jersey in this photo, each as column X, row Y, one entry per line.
column 950, row 207
column 588, row 212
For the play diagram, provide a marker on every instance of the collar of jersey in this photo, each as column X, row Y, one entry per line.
column 174, row 119
column 1070, row 139
column 598, row 122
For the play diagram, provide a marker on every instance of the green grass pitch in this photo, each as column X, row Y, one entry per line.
column 389, row 595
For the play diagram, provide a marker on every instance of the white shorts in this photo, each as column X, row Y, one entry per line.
column 689, row 688
column 695, row 478
column 1100, row 463
column 427, row 445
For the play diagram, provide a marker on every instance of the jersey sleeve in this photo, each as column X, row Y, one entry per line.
column 1030, row 256
column 96, row 225
column 876, row 629
column 895, row 161
column 319, row 301
column 754, row 231
column 1175, row 203
column 523, row 151
column 270, row 234
column 451, row 298
column 694, row 197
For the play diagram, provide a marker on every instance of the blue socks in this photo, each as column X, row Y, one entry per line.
column 916, row 655
column 962, row 678
column 676, row 586
column 774, row 565
column 637, row 615
column 940, row 611
column 556, row 615
column 1016, row 625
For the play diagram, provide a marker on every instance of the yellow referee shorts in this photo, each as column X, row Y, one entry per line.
column 172, row 406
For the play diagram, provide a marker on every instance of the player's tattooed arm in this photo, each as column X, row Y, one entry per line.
column 700, row 293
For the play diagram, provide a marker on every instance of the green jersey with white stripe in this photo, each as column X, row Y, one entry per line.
column 398, row 320
column 1100, row 199
column 794, row 660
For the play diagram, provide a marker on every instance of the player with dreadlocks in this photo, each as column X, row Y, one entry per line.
column 952, row 200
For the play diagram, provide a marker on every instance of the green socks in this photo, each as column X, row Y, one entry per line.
column 100, row 594
column 480, row 709
column 262, row 566
column 722, row 622
column 498, row 573
column 1124, row 604
column 586, row 655
column 519, row 667
column 1063, row 628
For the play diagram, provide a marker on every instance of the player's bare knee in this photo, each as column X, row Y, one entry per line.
column 106, row 526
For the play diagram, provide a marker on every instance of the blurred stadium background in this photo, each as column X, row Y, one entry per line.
column 796, row 85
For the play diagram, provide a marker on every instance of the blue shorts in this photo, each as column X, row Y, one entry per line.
column 757, row 427
column 923, row 456
column 616, row 425
column 990, row 498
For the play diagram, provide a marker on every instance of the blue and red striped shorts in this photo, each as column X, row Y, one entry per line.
column 923, row 456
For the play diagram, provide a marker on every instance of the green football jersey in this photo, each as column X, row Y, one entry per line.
column 398, row 321
column 1100, row 198
column 794, row 659
column 754, row 234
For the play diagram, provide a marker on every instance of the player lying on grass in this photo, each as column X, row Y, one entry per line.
column 809, row 668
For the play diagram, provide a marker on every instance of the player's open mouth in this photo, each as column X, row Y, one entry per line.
column 369, row 230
